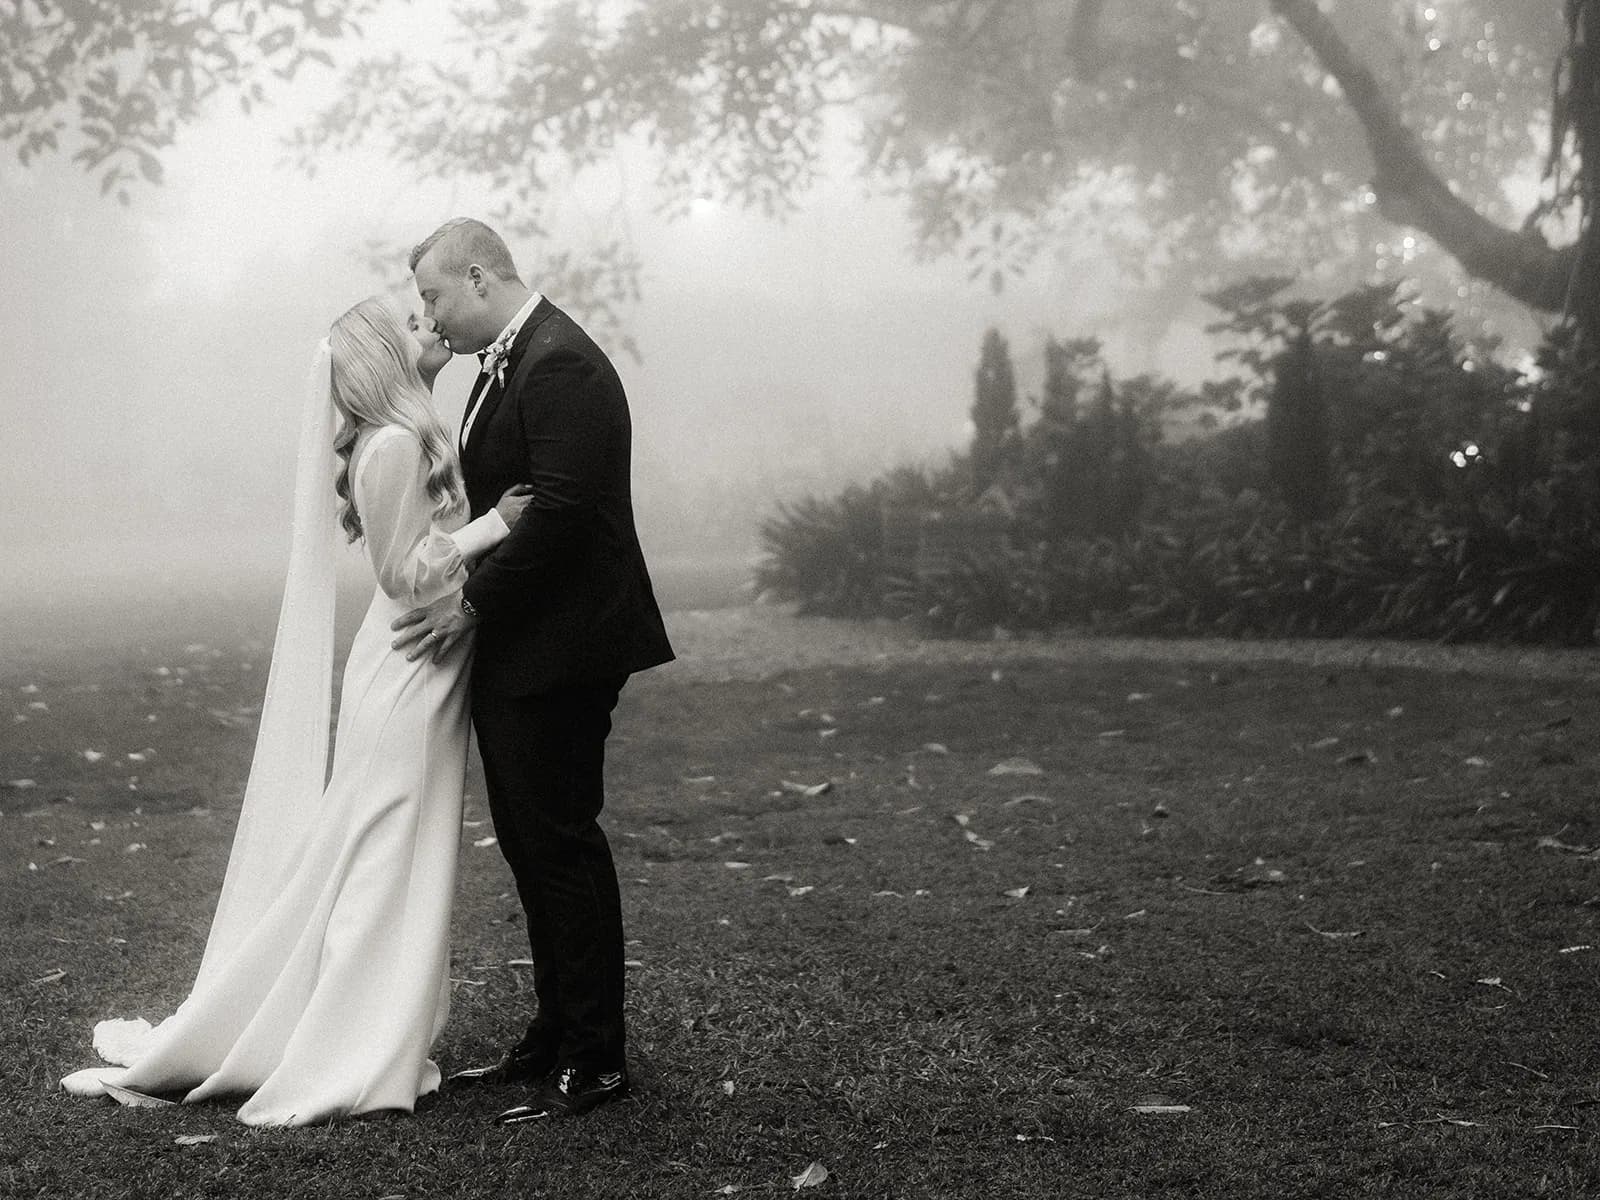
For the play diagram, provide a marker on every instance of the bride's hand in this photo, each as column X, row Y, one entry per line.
column 517, row 497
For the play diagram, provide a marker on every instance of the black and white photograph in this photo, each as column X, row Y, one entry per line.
column 879, row 599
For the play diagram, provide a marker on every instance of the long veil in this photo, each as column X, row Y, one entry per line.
column 290, row 767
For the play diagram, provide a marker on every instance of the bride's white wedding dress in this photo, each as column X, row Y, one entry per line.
column 325, row 1000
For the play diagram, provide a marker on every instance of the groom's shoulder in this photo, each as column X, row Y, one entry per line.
column 560, row 338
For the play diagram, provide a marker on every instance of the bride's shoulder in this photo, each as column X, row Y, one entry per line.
column 374, row 437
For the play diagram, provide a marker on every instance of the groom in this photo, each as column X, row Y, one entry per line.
column 564, row 613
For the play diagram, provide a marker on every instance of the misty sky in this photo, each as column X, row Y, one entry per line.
column 154, row 354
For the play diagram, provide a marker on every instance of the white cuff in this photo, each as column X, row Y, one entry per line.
column 476, row 539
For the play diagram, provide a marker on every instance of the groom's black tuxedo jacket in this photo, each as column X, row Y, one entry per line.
column 566, row 598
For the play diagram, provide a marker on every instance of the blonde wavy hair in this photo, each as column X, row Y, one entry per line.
column 375, row 383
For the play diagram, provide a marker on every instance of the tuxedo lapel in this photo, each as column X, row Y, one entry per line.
column 493, row 392
column 466, row 413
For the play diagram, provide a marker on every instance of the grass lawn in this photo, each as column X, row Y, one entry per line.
column 1312, row 906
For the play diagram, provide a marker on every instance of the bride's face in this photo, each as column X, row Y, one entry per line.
column 432, row 351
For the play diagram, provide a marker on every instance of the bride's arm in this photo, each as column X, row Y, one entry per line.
column 415, row 562
column 477, row 538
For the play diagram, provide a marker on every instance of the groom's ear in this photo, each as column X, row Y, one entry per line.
column 475, row 277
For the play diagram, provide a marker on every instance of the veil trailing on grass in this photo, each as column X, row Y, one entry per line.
column 290, row 768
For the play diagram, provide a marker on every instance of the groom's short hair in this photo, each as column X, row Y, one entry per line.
column 464, row 241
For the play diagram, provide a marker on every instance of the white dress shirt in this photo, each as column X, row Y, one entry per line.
column 507, row 336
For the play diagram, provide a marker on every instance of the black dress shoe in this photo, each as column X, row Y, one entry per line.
column 570, row 1092
column 521, row 1065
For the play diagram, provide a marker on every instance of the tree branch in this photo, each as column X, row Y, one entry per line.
column 1520, row 263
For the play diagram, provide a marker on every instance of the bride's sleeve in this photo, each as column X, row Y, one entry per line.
column 415, row 562
column 477, row 538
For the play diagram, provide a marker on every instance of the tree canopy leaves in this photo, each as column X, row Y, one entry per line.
column 109, row 82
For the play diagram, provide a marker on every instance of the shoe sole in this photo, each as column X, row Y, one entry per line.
column 524, row 1114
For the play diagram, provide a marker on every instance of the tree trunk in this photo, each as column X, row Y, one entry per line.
column 1520, row 263
column 1577, row 111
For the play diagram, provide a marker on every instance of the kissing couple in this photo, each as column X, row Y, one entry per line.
column 510, row 587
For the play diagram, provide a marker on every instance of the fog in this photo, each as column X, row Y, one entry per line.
column 153, row 354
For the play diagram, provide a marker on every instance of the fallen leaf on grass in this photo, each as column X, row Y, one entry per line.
column 21, row 785
column 727, row 1189
column 1034, row 1137
column 484, row 842
column 1569, row 1128
column 1160, row 1109
column 519, row 962
column 737, row 866
column 194, row 1139
column 1575, row 949
column 133, row 1099
column 54, row 977
column 1358, row 758
column 881, row 895
column 963, row 820
column 93, row 756
column 1475, row 761
column 1016, row 766
column 801, row 891
column 936, row 747
column 1549, row 842
column 807, row 789
column 1018, row 893
column 727, row 1087
column 813, row 1175
column 1333, row 935
column 1324, row 743
column 1028, row 797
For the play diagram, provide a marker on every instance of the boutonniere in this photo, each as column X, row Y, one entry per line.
column 495, row 356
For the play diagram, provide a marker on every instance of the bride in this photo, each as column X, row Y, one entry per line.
column 325, row 979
